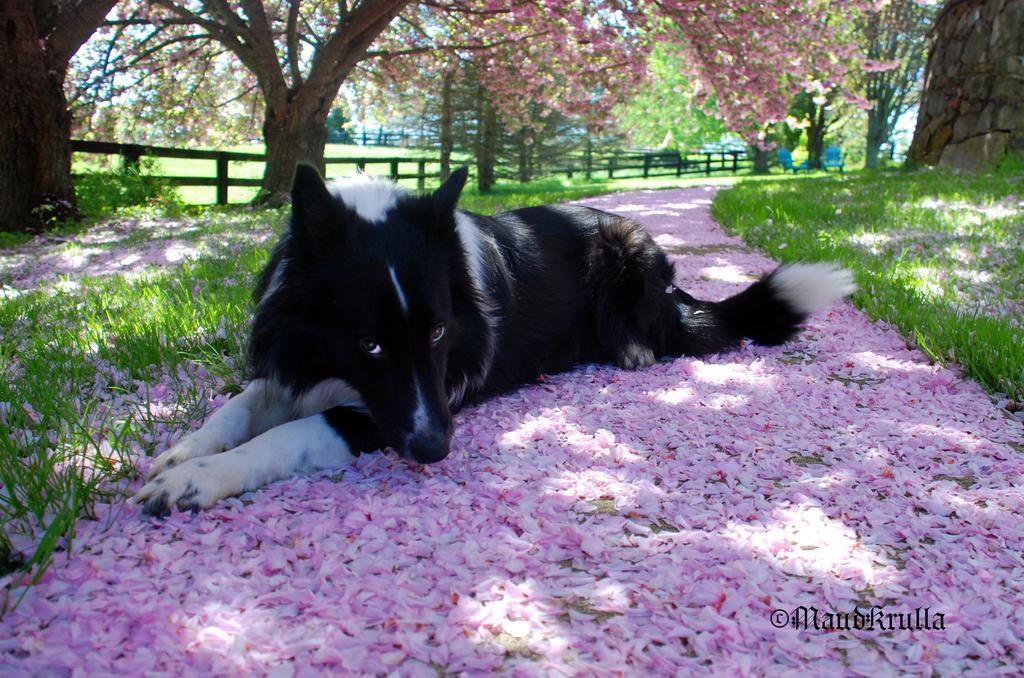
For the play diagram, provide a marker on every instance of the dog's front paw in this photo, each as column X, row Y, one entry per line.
column 191, row 486
column 633, row 356
column 189, row 447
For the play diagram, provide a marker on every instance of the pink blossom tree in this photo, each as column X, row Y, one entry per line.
column 528, row 62
column 577, row 57
column 755, row 57
column 566, row 61
column 662, row 111
column 299, row 53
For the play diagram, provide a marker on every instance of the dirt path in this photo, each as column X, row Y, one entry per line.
column 598, row 522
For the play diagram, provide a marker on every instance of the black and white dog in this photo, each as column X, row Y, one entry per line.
column 382, row 312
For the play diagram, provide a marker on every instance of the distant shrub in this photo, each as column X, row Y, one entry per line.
column 103, row 192
column 12, row 239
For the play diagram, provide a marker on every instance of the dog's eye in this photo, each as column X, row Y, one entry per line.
column 436, row 334
column 371, row 347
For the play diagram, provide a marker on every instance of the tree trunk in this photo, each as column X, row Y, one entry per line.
column 877, row 135
column 524, row 158
column 294, row 132
column 35, row 129
column 762, row 159
column 816, row 136
column 588, row 157
column 447, row 138
column 486, row 146
column 972, row 105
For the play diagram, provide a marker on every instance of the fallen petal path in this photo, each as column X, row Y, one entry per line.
column 601, row 521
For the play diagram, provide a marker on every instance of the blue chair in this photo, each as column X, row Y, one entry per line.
column 833, row 158
column 786, row 160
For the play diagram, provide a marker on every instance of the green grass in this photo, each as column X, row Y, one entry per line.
column 937, row 254
column 77, row 362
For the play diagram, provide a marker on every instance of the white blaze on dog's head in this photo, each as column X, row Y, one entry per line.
column 398, row 290
column 371, row 198
column 368, row 196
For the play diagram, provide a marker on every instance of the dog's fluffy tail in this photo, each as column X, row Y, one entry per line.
column 769, row 312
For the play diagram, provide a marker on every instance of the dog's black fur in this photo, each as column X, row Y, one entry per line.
column 560, row 286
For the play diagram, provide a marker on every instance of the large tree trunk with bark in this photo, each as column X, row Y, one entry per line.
column 972, row 106
column 295, row 132
column 36, row 42
column 35, row 133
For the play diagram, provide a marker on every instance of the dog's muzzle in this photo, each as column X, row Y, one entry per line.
column 427, row 447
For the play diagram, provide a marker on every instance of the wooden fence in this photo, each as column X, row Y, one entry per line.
column 381, row 136
column 617, row 166
column 132, row 153
column 658, row 164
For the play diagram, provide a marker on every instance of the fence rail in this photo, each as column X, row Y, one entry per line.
column 616, row 166
column 660, row 164
column 381, row 136
column 132, row 153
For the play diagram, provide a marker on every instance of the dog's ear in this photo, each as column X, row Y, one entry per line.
column 312, row 206
column 448, row 194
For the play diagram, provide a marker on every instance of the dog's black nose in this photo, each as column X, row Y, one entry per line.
column 428, row 447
